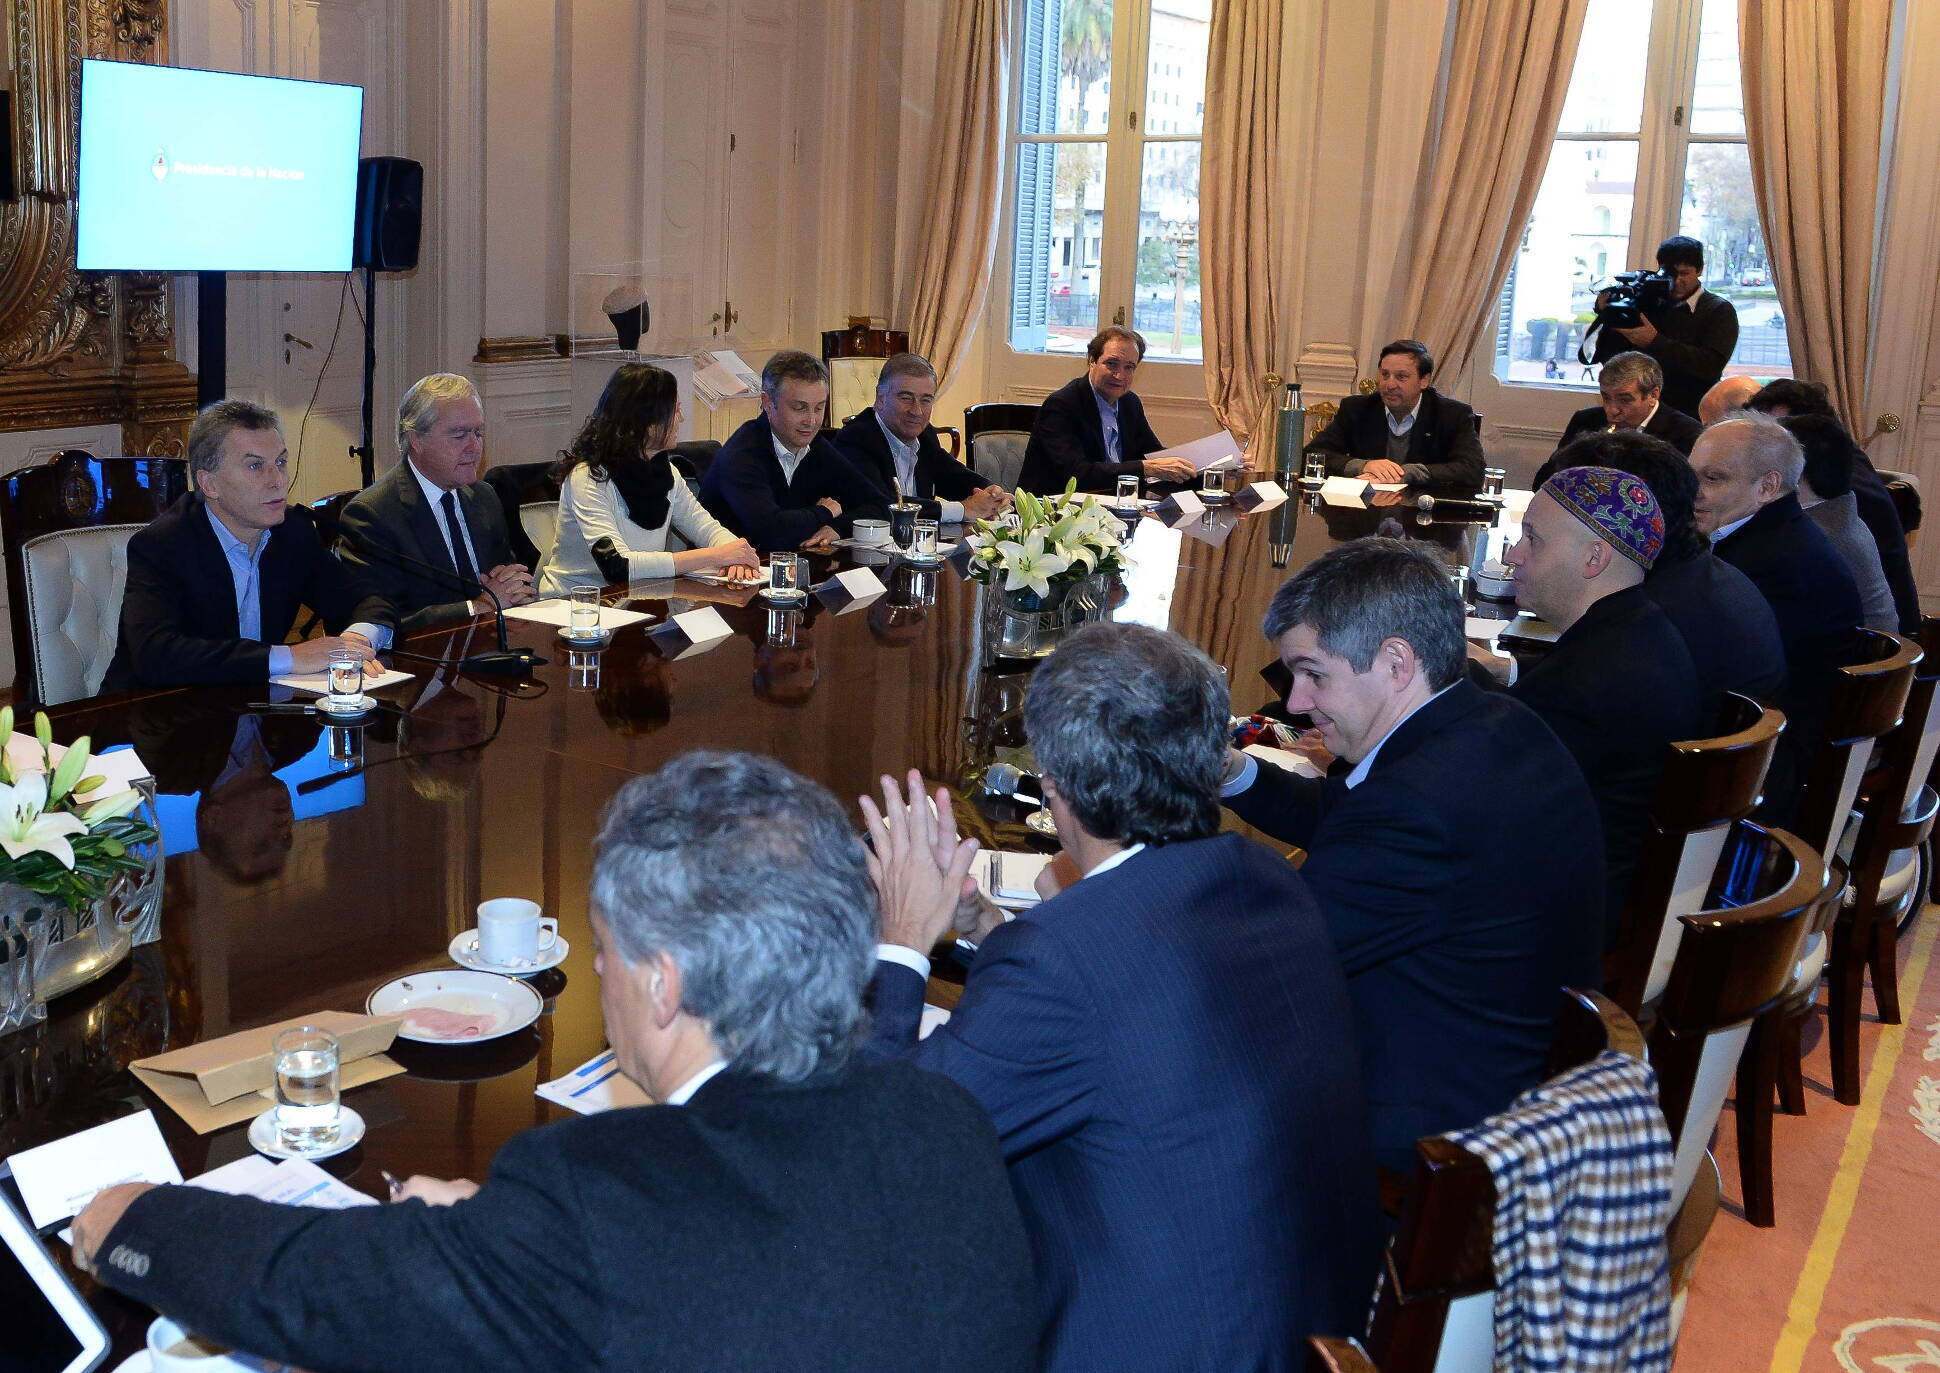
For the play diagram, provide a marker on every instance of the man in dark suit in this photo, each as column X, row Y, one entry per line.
column 1691, row 337
column 1787, row 396
column 778, row 1208
column 1454, row 848
column 1407, row 431
column 778, row 482
column 1093, row 429
column 1726, row 623
column 1164, row 1045
column 894, row 443
column 1619, row 686
column 1748, row 470
column 216, row 580
column 433, row 509
column 1632, row 386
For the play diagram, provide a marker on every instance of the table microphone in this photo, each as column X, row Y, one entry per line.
column 505, row 659
column 1457, row 508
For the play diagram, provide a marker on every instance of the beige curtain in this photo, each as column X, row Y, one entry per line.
column 959, row 239
column 1243, row 289
column 1508, row 70
column 1815, row 93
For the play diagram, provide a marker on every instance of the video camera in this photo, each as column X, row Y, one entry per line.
column 1634, row 295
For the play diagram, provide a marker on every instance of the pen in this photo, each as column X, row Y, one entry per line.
column 390, row 1182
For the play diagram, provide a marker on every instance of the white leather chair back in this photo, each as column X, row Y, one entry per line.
column 1468, row 1335
column 998, row 456
column 1702, row 850
column 1717, row 1075
column 540, row 520
column 74, row 582
column 852, row 386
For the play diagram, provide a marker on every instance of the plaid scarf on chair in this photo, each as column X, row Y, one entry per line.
column 1582, row 1171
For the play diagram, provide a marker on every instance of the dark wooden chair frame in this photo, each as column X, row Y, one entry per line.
column 993, row 417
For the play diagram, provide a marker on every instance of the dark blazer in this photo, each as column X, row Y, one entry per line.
column 1463, row 883
column 1618, row 688
column 745, row 490
column 758, row 1226
column 1442, row 446
column 1692, row 346
column 1726, row 624
column 1068, row 440
column 1166, row 1051
column 1671, row 425
column 178, row 614
column 1878, row 513
column 391, row 516
column 939, row 477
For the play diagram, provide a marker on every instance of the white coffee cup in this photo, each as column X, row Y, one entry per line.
column 510, row 931
column 872, row 533
column 165, row 1335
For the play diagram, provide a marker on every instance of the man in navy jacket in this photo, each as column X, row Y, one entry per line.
column 1454, row 849
column 778, row 482
column 894, row 443
column 1093, row 428
column 1164, row 1046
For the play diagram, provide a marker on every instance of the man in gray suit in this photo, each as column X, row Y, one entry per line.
column 431, row 509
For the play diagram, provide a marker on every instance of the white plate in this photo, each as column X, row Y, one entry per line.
column 795, row 597
column 514, row 1004
column 359, row 706
column 599, row 640
column 262, row 1136
column 464, row 952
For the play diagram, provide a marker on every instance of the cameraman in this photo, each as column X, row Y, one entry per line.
column 1692, row 337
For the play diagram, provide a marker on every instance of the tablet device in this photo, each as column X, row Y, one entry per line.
column 45, row 1326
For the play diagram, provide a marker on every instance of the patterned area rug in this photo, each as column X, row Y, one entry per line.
column 1849, row 1279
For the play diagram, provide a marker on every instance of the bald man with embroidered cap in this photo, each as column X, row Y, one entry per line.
column 1620, row 685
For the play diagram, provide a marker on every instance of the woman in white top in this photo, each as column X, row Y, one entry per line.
column 620, row 496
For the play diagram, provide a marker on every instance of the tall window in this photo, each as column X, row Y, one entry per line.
column 1105, row 209
column 1651, row 143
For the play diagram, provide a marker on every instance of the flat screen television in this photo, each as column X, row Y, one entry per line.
column 186, row 171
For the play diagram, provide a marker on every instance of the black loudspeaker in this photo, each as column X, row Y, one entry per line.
column 390, row 211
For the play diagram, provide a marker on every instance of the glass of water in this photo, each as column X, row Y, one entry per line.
column 1493, row 480
column 923, row 547
column 307, row 1109
column 1316, row 471
column 1212, row 487
column 346, row 679
column 346, row 747
column 1128, row 492
column 785, row 576
column 585, row 613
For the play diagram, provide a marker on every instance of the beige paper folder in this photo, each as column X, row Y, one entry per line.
column 222, row 1082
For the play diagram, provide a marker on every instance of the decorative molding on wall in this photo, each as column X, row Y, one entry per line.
column 1328, row 370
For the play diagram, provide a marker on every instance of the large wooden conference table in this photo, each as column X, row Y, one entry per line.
column 307, row 893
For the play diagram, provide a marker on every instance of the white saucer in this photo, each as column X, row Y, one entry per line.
column 512, row 1004
column 362, row 705
column 599, row 640
column 794, row 597
column 262, row 1136
column 464, row 952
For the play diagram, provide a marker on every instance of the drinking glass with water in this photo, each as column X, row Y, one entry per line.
column 584, row 621
column 785, row 576
column 346, row 678
column 1127, row 492
column 307, row 1106
column 923, row 546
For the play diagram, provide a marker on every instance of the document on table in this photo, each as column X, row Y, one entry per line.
column 293, row 1182
column 720, row 578
column 1481, row 630
column 317, row 683
column 59, row 1178
column 720, row 376
column 557, row 610
column 1217, row 452
column 1008, row 879
column 594, row 1086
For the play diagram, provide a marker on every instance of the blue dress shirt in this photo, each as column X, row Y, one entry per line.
column 245, row 569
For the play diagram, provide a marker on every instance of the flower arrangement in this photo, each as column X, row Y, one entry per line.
column 1059, row 539
column 59, row 838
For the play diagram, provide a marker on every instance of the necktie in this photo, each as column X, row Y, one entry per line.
column 461, row 557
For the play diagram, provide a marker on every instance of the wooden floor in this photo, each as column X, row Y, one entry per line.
column 1849, row 1279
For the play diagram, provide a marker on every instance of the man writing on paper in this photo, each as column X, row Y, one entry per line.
column 433, row 509
column 895, row 443
column 216, row 580
column 1094, row 429
column 1407, row 431
column 777, row 1207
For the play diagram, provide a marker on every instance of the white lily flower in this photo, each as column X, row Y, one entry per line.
column 1028, row 564
column 25, row 827
column 109, row 807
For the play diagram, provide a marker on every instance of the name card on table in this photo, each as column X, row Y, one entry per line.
column 1179, row 503
column 1260, row 496
column 60, row 1178
column 692, row 632
column 851, row 589
column 223, row 1082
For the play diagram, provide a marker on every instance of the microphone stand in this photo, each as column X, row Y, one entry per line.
column 505, row 659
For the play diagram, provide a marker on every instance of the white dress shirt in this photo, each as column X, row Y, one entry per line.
column 684, row 1093
column 787, row 457
column 1250, row 770
column 904, row 456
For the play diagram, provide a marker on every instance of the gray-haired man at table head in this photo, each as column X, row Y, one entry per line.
column 215, row 582
column 780, row 1207
column 432, row 510
column 1454, row 847
column 1163, row 1045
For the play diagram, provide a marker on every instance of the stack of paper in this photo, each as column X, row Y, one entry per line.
column 723, row 376
column 558, row 611
column 293, row 1182
column 594, row 1086
column 1215, row 453
column 318, row 683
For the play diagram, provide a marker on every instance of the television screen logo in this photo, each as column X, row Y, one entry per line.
column 159, row 167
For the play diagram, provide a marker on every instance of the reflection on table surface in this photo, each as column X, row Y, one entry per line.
column 309, row 863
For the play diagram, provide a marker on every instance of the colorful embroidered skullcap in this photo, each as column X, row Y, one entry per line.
column 1616, row 505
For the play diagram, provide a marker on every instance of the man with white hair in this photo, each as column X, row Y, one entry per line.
column 432, row 511
column 1748, row 469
